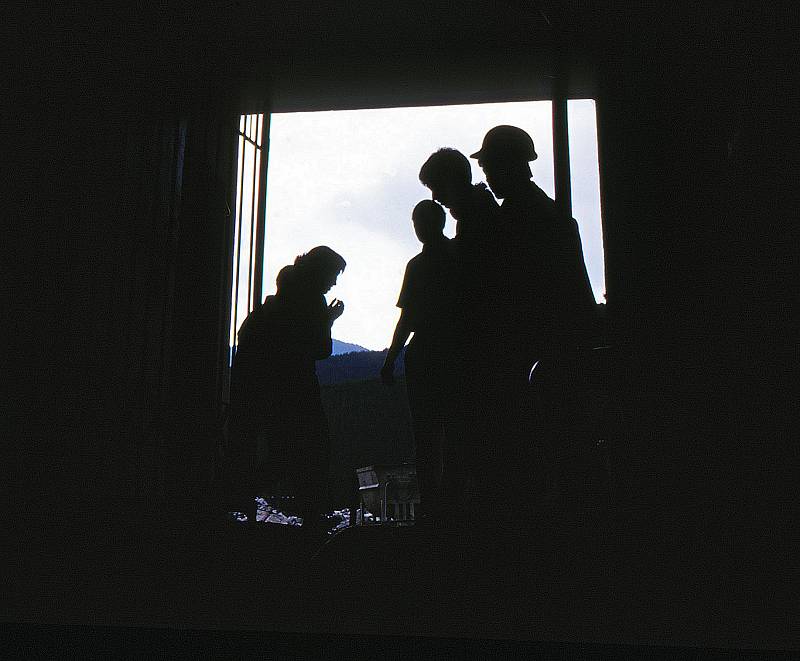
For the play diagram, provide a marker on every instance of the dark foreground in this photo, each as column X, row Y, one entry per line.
column 576, row 587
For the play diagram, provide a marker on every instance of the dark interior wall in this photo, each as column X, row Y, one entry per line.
column 121, row 176
column 699, row 193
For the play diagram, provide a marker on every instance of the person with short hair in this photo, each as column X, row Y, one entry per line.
column 448, row 175
column 427, row 303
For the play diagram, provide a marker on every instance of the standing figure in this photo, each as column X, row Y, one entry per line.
column 277, row 424
column 427, row 304
column 448, row 175
column 548, row 308
column 478, row 258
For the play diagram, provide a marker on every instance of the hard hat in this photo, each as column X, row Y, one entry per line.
column 506, row 142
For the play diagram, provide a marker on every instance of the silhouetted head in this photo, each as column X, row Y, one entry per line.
column 504, row 157
column 318, row 269
column 448, row 175
column 284, row 279
column 428, row 218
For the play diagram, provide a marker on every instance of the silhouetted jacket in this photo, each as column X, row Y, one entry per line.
column 476, row 222
column 548, row 292
column 428, row 297
column 279, row 343
column 477, row 250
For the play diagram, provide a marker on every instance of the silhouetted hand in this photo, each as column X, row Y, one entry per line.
column 387, row 373
column 335, row 309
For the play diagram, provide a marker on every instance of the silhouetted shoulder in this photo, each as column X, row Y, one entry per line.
column 476, row 220
column 254, row 323
column 483, row 200
column 535, row 200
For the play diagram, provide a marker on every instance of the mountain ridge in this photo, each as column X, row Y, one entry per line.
column 355, row 366
column 340, row 347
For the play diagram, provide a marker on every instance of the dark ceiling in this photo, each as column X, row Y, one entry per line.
column 306, row 53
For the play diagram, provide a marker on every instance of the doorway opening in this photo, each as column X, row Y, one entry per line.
column 349, row 179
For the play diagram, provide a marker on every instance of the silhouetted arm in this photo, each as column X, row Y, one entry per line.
column 324, row 345
column 320, row 324
column 402, row 332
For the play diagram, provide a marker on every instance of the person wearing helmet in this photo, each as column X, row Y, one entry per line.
column 549, row 296
column 547, row 306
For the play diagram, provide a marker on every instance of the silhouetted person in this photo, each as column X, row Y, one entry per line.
column 427, row 302
column 448, row 175
column 552, row 300
column 276, row 409
column 549, row 307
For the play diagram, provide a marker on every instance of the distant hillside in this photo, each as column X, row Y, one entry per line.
column 369, row 423
column 340, row 347
column 355, row 366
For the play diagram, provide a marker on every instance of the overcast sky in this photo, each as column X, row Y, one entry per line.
column 349, row 180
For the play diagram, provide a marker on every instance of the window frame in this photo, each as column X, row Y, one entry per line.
column 561, row 178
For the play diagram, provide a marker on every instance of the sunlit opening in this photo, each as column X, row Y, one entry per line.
column 248, row 180
column 349, row 179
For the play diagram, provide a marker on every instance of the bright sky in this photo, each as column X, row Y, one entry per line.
column 349, row 180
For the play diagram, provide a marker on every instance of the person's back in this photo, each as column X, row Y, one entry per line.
column 476, row 220
column 549, row 281
column 261, row 352
column 428, row 296
column 263, row 367
column 549, row 298
column 276, row 420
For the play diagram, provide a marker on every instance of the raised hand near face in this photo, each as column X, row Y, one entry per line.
column 335, row 309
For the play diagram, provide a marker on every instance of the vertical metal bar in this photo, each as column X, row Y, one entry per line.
column 250, row 264
column 599, row 116
column 561, row 167
column 238, row 241
column 226, row 130
column 261, row 220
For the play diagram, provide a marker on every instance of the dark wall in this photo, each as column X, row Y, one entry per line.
column 699, row 196
column 119, row 218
